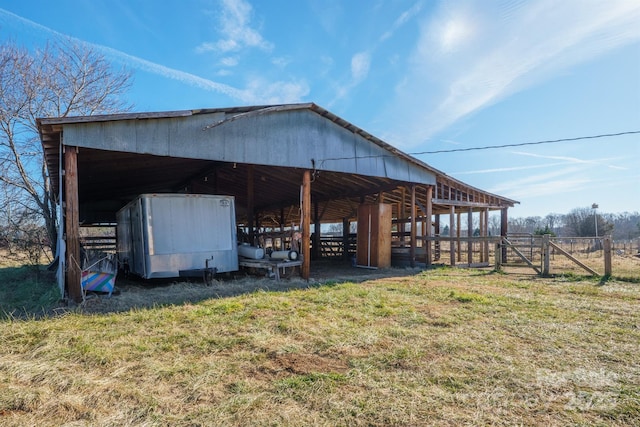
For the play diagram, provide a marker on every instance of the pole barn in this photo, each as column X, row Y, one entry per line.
column 289, row 167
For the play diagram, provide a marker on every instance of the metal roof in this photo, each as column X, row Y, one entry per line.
column 217, row 150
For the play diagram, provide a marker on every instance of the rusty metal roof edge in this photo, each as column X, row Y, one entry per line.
column 44, row 121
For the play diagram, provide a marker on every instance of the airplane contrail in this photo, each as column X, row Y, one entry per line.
column 136, row 62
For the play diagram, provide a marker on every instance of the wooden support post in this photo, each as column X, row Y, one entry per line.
column 250, row 200
column 412, row 248
column 282, row 220
column 546, row 254
column 498, row 255
column 306, row 224
column 345, row 238
column 458, row 230
column 452, row 233
column 470, row 236
column 281, row 239
column 72, row 224
column 422, row 241
column 427, row 230
column 481, row 235
column 503, row 232
column 316, row 232
column 607, row 255
column 485, row 234
column 402, row 229
column 436, row 232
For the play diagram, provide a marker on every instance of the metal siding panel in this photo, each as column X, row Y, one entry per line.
column 152, row 137
column 188, row 137
column 289, row 138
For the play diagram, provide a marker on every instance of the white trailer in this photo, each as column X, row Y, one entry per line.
column 172, row 235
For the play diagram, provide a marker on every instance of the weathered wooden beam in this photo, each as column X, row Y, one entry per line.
column 412, row 248
column 72, row 225
column 427, row 229
column 282, row 219
column 465, row 204
column 422, row 207
column 507, row 243
column 470, row 235
column 503, row 232
column 568, row 255
column 316, row 231
column 458, row 233
column 345, row 238
column 306, row 225
column 546, row 258
column 452, row 231
column 402, row 215
column 485, row 233
column 607, row 256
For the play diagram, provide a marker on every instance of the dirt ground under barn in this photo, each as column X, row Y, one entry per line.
column 133, row 293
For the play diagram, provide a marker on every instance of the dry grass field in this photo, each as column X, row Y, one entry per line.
column 438, row 347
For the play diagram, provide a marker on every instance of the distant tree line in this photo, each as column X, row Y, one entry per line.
column 580, row 222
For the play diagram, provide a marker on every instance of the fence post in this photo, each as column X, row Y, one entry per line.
column 545, row 254
column 607, row 256
column 498, row 255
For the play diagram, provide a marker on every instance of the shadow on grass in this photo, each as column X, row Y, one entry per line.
column 145, row 294
column 28, row 291
column 36, row 299
column 605, row 279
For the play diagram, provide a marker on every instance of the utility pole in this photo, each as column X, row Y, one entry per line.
column 595, row 217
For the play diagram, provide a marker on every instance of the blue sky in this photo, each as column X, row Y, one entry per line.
column 423, row 75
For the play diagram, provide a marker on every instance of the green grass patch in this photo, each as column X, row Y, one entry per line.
column 442, row 347
column 27, row 291
column 467, row 297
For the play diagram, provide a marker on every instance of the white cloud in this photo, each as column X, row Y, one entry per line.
column 575, row 160
column 401, row 20
column 454, row 33
column 236, row 30
column 547, row 188
column 277, row 92
column 281, row 61
column 472, row 54
column 553, row 182
column 360, row 64
column 361, row 61
column 508, row 169
column 229, row 61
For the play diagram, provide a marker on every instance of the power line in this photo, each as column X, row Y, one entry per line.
column 549, row 141
column 491, row 147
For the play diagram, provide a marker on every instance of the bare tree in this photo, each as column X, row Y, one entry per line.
column 524, row 225
column 495, row 223
column 552, row 221
column 60, row 80
column 582, row 223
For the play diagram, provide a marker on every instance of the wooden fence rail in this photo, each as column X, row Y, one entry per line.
column 543, row 247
